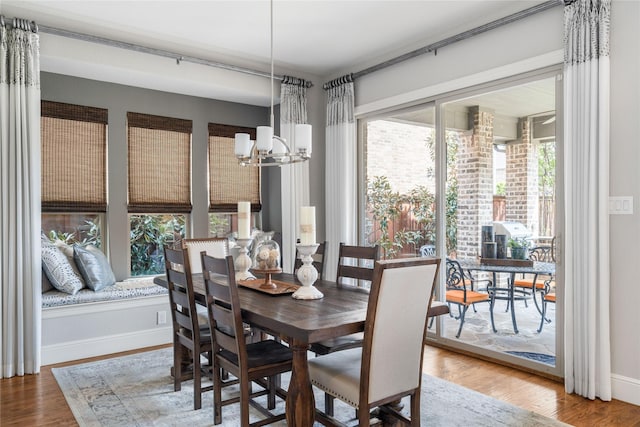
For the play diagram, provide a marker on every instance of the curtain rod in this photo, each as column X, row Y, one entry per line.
column 158, row 52
column 462, row 36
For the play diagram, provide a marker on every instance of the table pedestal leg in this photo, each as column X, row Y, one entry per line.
column 300, row 402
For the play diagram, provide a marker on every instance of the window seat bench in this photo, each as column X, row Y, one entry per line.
column 129, row 315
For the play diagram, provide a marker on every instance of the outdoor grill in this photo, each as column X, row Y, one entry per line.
column 512, row 229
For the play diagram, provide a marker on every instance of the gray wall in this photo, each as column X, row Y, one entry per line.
column 119, row 99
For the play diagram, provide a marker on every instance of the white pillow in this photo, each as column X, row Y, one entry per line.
column 58, row 269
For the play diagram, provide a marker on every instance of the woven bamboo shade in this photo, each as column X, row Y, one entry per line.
column 74, row 158
column 230, row 183
column 159, row 164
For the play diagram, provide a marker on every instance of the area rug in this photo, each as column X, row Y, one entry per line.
column 137, row 390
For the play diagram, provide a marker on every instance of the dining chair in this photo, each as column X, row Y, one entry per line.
column 460, row 291
column 214, row 246
column 191, row 334
column 389, row 364
column 535, row 283
column 248, row 362
column 356, row 263
column 549, row 296
column 318, row 260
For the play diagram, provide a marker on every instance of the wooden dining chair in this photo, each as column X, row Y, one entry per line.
column 248, row 362
column 460, row 291
column 318, row 260
column 355, row 263
column 389, row 364
column 191, row 334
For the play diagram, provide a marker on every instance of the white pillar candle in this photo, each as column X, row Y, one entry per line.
column 302, row 139
column 264, row 138
column 244, row 220
column 308, row 225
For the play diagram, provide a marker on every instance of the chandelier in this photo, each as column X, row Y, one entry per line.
column 269, row 149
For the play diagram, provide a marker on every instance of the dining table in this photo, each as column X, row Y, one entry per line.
column 509, row 292
column 342, row 311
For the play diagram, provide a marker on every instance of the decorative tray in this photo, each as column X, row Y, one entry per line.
column 281, row 288
column 507, row 262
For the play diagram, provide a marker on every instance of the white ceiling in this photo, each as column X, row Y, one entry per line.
column 323, row 38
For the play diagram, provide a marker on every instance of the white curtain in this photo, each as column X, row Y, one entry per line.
column 586, row 137
column 20, row 265
column 341, row 183
column 294, row 177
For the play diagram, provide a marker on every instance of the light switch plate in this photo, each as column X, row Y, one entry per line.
column 621, row 205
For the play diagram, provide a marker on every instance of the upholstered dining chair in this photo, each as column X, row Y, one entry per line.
column 318, row 260
column 354, row 263
column 190, row 335
column 460, row 291
column 249, row 363
column 215, row 246
column 389, row 364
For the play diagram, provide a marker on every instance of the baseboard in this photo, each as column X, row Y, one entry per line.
column 625, row 389
column 98, row 346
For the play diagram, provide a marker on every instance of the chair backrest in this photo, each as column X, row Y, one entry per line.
column 542, row 253
column 356, row 262
column 455, row 275
column 181, row 297
column 395, row 328
column 223, row 305
column 215, row 246
column 318, row 260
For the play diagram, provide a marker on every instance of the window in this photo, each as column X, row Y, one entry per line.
column 159, row 187
column 74, row 177
column 229, row 183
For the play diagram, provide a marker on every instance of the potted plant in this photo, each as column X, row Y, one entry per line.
column 519, row 248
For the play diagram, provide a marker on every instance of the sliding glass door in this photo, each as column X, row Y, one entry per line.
column 485, row 159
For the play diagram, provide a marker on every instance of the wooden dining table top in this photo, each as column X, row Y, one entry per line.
column 341, row 311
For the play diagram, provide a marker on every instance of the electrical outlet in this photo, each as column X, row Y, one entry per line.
column 162, row 317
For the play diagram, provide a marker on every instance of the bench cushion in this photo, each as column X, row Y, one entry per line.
column 130, row 288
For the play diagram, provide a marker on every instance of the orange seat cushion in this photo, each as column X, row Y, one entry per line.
column 551, row 297
column 528, row 283
column 457, row 297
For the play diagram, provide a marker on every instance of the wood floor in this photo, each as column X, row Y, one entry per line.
column 36, row 400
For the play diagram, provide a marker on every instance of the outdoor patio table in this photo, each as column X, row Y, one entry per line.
column 540, row 268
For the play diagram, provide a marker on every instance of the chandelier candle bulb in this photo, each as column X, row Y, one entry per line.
column 244, row 219
column 264, row 139
column 302, row 139
column 243, row 145
column 308, row 225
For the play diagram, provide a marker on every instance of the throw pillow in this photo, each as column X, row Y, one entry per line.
column 67, row 250
column 46, row 284
column 58, row 269
column 94, row 267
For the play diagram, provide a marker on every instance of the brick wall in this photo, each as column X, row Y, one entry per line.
column 474, row 165
column 399, row 151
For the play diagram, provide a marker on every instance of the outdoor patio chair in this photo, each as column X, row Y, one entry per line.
column 460, row 291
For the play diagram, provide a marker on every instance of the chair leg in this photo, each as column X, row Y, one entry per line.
column 415, row 408
column 197, row 382
column 328, row 404
column 244, row 401
column 271, row 397
column 177, row 367
column 464, row 311
column 217, row 395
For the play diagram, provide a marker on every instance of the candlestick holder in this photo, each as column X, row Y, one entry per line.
column 243, row 262
column 307, row 274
